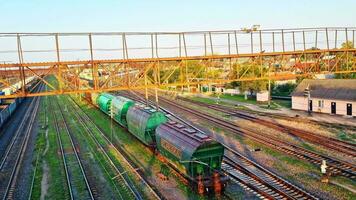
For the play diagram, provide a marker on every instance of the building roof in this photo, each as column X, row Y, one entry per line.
column 337, row 89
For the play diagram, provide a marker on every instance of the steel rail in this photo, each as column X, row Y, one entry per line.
column 332, row 143
column 83, row 122
column 273, row 182
column 275, row 188
column 278, row 182
column 62, row 153
column 88, row 119
column 17, row 133
column 335, row 165
column 89, row 189
column 10, row 188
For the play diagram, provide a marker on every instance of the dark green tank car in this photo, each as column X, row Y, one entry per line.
column 119, row 108
column 142, row 122
column 104, row 102
column 193, row 153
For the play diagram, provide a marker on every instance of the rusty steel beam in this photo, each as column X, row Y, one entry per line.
column 152, row 86
column 208, row 57
column 243, row 62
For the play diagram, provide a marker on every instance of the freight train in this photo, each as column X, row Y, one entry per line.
column 9, row 106
column 194, row 155
column 7, row 109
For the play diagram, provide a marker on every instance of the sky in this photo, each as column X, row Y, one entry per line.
column 56, row 16
column 170, row 15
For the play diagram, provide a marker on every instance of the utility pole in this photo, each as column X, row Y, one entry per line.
column 269, row 92
column 111, row 125
column 269, row 86
column 307, row 94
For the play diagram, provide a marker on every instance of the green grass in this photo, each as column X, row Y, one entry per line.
column 308, row 147
column 57, row 188
column 275, row 104
column 342, row 135
column 136, row 151
column 88, row 147
column 283, row 103
column 211, row 101
column 114, row 156
column 203, row 100
column 39, row 147
column 239, row 98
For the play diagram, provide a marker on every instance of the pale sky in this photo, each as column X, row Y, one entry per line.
column 154, row 15
column 170, row 15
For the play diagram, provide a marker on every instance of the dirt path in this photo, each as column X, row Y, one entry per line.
column 44, row 182
column 47, row 144
column 45, row 169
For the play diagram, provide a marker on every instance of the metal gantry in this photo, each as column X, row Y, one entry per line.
column 83, row 62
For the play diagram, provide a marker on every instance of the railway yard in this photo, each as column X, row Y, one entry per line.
column 178, row 100
column 118, row 146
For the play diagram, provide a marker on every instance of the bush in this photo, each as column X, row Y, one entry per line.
column 283, row 90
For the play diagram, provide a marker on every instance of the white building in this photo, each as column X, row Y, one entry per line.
column 262, row 96
column 333, row 96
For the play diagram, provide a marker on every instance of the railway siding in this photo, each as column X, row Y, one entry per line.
column 117, row 174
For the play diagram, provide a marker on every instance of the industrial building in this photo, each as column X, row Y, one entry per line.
column 333, row 96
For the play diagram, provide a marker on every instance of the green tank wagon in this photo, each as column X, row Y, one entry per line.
column 142, row 122
column 104, row 102
column 193, row 153
column 119, row 108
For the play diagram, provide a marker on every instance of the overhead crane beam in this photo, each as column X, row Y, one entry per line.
column 222, row 57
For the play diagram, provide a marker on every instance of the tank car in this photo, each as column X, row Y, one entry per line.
column 142, row 122
column 119, row 108
column 104, row 102
column 194, row 154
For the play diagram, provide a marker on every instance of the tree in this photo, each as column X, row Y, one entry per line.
column 348, row 64
column 232, row 85
column 346, row 76
column 254, row 86
column 249, row 69
column 347, row 45
column 284, row 90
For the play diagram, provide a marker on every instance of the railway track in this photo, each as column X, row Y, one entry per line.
column 243, row 171
column 103, row 143
column 11, row 162
column 296, row 118
column 328, row 142
column 266, row 184
column 335, row 166
column 77, row 181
